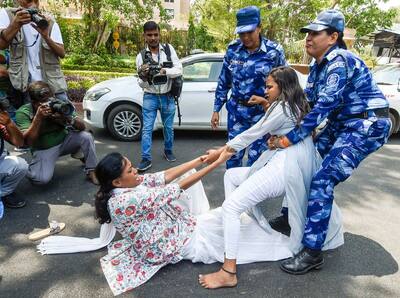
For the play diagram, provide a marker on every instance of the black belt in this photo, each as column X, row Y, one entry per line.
column 245, row 103
column 379, row 113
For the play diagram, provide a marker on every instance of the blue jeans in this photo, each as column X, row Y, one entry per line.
column 151, row 104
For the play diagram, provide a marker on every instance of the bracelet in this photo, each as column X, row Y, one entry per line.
column 284, row 142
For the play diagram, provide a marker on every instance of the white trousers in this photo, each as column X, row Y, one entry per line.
column 243, row 192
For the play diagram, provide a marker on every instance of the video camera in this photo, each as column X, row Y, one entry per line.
column 154, row 77
column 59, row 106
column 39, row 20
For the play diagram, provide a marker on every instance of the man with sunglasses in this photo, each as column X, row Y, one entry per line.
column 34, row 52
column 246, row 66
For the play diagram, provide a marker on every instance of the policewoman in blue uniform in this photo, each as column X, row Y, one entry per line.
column 341, row 89
column 246, row 66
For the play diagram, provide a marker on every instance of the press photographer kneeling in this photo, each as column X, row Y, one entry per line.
column 157, row 66
column 52, row 129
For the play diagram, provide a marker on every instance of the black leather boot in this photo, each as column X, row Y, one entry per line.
column 281, row 224
column 303, row 261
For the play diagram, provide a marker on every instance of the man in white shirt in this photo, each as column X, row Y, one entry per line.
column 157, row 97
column 34, row 52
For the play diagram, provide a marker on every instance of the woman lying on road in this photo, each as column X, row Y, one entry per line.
column 276, row 173
column 163, row 220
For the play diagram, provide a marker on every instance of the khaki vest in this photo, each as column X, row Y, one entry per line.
column 49, row 63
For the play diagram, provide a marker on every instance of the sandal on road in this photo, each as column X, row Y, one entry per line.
column 55, row 227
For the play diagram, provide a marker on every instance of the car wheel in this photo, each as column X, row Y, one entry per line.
column 394, row 123
column 125, row 122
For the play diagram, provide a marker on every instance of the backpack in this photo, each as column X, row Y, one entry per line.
column 176, row 86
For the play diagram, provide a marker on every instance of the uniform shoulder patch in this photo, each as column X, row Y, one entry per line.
column 332, row 80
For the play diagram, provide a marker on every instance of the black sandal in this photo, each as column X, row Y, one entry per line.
column 230, row 272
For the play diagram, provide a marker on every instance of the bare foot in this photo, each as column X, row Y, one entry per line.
column 220, row 279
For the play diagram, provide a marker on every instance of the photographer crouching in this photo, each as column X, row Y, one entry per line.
column 51, row 129
column 12, row 168
column 157, row 66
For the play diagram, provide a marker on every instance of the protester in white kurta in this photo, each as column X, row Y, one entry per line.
column 276, row 173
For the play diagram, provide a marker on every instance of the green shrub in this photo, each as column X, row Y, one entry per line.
column 98, row 68
column 73, row 84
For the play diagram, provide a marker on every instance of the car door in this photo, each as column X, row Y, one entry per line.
column 200, row 79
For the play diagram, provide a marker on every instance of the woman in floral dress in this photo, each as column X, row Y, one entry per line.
column 163, row 220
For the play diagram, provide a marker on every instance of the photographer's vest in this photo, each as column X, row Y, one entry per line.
column 49, row 63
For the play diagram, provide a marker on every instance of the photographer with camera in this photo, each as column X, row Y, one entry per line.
column 157, row 66
column 36, row 46
column 12, row 168
column 52, row 129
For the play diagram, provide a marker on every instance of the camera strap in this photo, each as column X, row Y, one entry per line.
column 167, row 51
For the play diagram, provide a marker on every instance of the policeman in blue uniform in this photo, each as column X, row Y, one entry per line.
column 247, row 63
column 341, row 89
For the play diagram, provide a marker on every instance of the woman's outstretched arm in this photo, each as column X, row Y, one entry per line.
column 192, row 179
column 178, row 171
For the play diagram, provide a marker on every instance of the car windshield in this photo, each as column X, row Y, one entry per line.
column 387, row 74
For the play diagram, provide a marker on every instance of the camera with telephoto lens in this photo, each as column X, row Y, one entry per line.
column 154, row 76
column 39, row 20
column 60, row 106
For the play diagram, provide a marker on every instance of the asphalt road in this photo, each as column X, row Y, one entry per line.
column 366, row 266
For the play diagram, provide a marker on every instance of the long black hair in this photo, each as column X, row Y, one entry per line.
column 291, row 91
column 340, row 42
column 108, row 169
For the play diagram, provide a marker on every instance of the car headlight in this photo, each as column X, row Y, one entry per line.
column 96, row 94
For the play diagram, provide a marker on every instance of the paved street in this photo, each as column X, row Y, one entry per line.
column 366, row 266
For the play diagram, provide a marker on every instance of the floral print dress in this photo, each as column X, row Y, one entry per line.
column 154, row 232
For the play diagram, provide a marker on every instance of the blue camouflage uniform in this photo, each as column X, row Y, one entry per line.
column 342, row 90
column 244, row 74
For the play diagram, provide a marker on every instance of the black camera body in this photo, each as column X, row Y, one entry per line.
column 39, row 20
column 154, row 76
column 60, row 106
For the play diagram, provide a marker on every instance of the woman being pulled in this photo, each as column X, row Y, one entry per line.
column 283, row 172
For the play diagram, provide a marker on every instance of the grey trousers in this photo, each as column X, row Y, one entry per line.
column 12, row 170
column 41, row 168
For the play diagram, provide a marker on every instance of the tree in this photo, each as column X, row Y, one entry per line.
column 282, row 19
column 102, row 16
column 365, row 15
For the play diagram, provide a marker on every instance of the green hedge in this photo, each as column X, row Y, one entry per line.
column 79, row 81
column 100, row 68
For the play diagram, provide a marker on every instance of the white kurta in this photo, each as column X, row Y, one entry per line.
column 258, row 241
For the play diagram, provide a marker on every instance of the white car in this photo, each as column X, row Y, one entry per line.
column 117, row 104
column 388, row 79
